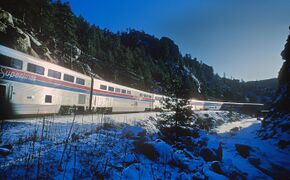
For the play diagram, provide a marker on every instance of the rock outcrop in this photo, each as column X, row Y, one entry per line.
column 14, row 33
column 277, row 124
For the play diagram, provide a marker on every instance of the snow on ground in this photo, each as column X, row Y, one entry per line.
column 58, row 126
column 264, row 150
column 126, row 146
column 228, row 127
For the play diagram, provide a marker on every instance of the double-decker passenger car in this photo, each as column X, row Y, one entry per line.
column 35, row 86
column 118, row 98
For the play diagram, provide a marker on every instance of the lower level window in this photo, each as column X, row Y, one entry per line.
column 48, row 99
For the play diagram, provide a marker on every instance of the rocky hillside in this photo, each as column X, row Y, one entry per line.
column 261, row 91
column 277, row 124
column 15, row 34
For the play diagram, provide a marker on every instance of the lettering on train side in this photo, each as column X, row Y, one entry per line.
column 5, row 72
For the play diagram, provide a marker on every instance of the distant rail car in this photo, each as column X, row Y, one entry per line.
column 29, row 85
column 247, row 108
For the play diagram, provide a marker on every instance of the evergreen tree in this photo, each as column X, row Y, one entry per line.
column 83, row 33
column 94, row 47
column 177, row 102
column 65, row 27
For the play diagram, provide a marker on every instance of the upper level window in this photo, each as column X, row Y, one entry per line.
column 68, row 78
column 117, row 90
column 123, row 91
column 35, row 69
column 10, row 62
column 111, row 89
column 80, row 81
column 128, row 92
column 54, row 74
column 103, row 87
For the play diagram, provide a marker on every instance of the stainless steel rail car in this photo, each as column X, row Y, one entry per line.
column 29, row 85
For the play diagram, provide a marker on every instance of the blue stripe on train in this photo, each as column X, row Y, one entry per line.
column 41, row 83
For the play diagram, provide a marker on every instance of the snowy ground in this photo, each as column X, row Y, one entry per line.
column 269, row 155
column 116, row 147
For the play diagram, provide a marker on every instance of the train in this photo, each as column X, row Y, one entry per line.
column 29, row 85
column 245, row 108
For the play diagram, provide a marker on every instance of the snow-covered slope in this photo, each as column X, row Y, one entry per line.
column 128, row 146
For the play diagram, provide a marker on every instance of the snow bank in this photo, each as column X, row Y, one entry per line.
column 226, row 128
column 133, row 132
column 99, row 148
column 165, row 151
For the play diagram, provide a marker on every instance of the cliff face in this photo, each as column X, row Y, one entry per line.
column 277, row 124
column 283, row 100
column 14, row 34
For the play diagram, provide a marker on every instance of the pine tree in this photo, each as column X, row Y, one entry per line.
column 65, row 25
column 178, row 93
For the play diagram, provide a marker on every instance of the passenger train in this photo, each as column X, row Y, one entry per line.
column 34, row 86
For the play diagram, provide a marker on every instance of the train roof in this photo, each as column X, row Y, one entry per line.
column 20, row 55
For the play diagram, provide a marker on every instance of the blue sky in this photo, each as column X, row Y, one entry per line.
column 243, row 38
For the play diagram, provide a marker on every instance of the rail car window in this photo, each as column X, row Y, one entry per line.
column 48, row 99
column 128, row 92
column 10, row 62
column 117, row 90
column 123, row 91
column 54, row 74
column 103, row 87
column 35, row 69
column 80, row 81
column 68, row 78
column 111, row 89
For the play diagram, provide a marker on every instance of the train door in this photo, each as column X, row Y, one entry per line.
column 6, row 92
column 2, row 91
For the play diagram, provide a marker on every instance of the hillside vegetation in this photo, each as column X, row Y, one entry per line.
column 50, row 30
